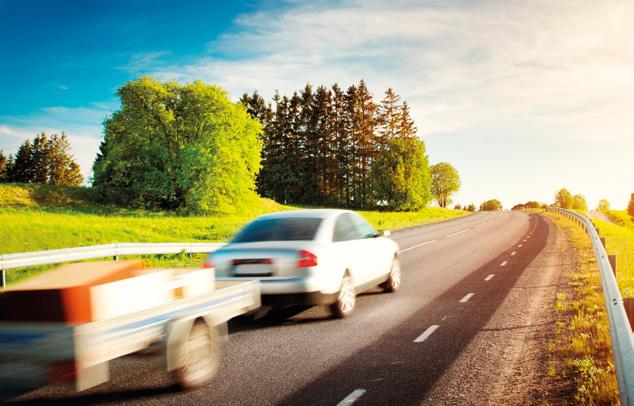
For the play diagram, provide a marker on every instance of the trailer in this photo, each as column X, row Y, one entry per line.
column 188, row 328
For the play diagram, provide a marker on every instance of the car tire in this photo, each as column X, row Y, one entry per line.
column 200, row 356
column 393, row 282
column 346, row 299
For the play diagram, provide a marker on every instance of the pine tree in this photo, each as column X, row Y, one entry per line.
column 23, row 166
column 339, row 124
column 365, row 123
column 40, row 159
column 9, row 174
column 406, row 128
column 389, row 117
column 3, row 166
column 63, row 170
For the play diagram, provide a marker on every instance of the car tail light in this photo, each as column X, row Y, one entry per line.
column 306, row 259
column 207, row 264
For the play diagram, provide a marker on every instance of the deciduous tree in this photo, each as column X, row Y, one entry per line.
column 563, row 199
column 177, row 146
column 445, row 181
column 401, row 175
column 491, row 205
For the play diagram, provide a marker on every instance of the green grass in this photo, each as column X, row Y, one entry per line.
column 40, row 217
column 580, row 353
column 620, row 217
column 620, row 242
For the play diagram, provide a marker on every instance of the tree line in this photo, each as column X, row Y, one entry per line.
column 43, row 160
column 335, row 147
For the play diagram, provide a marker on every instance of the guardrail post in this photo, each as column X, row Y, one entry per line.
column 612, row 259
column 628, row 303
column 3, row 279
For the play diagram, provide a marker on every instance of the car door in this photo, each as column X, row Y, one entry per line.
column 374, row 248
column 351, row 248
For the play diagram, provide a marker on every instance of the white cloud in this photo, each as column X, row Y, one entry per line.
column 559, row 65
column 541, row 70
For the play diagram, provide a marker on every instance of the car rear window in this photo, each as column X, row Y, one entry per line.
column 283, row 229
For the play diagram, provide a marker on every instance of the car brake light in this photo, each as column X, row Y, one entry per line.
column 306, row 259
column 207, row 264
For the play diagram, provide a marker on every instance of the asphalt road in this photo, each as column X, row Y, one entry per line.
column 431, row 342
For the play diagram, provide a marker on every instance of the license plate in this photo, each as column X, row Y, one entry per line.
column 253, row 270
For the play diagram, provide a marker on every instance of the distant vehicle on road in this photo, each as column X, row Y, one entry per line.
column 311, row 257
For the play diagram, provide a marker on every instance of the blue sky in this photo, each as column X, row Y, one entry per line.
column 522, row 97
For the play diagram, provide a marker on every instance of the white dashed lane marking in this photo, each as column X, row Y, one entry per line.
column 419, row 245
column 504, row 263
column 513, row 253
column 466, row 298
column 488, row 278
column 352, row 397
column 459, row 232
column 430, row 330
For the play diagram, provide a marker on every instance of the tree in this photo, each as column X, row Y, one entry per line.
column 23, row 165
column 519, row 206
column 389, row 117
column 3, row 166
column 401, row 175
column 491, row 205
column 579, row 202
column 445, row 181
column 471, row 207
column 630, row 206
column 177, row 146
column 603, row 205
column 457, row 207
column 532, row 204
column 563, row 199
column 62, row 168
column 40, row 158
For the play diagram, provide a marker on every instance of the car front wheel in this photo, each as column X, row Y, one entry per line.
column 346, row 299
column 393, row 281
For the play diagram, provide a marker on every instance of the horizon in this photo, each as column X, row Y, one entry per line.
column 523, row 99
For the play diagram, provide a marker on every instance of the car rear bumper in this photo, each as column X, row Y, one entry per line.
column 298, row 289
column 308, row 299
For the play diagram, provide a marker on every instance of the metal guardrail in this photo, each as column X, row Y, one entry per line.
column 23, row 259
column 620, row 329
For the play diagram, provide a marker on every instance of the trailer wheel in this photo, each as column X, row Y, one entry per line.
column 199, row 356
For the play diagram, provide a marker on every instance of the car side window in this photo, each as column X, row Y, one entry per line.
column 345, row 229
column 364, row 229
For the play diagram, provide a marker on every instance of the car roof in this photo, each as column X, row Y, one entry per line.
column 308, row 213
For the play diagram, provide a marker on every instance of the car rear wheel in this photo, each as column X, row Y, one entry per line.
column 346, row 299
column 200, row 358
column 393, row 281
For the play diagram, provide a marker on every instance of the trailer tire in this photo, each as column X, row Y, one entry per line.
column 199, row 356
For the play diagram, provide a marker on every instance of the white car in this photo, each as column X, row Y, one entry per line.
column 311, row 257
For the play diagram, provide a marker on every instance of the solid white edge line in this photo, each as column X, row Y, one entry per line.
column 418, row 245
column 430, row 330
column 504, row 263
column 459, row 232
column 466, row 298
column 352, row 397
column 488, row 278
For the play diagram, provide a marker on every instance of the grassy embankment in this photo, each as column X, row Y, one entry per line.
column 580, row 353
column 40, row 217
column 620, row 242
